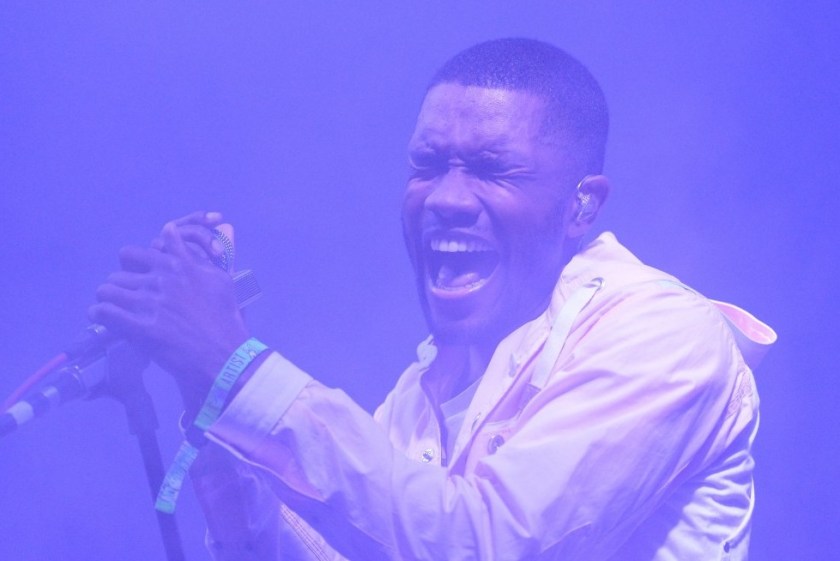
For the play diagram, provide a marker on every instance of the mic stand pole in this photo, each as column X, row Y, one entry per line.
column 125, row 367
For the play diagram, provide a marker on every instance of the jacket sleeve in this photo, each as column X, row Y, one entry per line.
column 246, row 521
column 646, row 397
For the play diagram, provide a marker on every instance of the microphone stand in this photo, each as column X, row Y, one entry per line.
column 124, row 382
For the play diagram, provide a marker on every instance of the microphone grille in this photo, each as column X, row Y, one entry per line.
column 224, row 233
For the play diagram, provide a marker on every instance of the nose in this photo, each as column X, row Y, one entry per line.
column 453, row 200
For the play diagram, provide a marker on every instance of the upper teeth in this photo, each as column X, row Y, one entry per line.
column 455, row 246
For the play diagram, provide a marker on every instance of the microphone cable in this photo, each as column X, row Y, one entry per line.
column 48, row 367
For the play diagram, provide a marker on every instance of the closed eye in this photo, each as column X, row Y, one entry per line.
column 491, row 165
column 488, row 169
column 426, row 163
column 496, row 169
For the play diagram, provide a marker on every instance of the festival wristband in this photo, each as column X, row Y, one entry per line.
column 212, row 408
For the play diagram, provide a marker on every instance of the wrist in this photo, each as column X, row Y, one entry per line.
column 195, row 384
column 221, row 391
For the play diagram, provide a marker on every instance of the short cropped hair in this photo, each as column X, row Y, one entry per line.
column 576, row 109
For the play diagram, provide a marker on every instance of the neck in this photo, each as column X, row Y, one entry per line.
column 458, row 366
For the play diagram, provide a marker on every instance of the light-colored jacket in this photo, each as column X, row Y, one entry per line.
column 615, row 426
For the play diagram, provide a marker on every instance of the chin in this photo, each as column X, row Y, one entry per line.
column 454, row 334
column 467, row 331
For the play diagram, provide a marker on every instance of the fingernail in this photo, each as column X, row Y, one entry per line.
column 217, row 247
column 213, row 217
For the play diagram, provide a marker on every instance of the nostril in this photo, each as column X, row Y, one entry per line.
column 454, row 218
column 453, row 203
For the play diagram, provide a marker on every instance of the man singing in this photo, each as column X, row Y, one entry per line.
column 571, row 403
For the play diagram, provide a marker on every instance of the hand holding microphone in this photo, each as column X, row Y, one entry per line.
column 176, row 304
column 136, row 303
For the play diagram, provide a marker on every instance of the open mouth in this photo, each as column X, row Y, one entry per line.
column 460, row 264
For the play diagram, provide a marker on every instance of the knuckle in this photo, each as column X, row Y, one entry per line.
column 102, row 292
column 93, row 312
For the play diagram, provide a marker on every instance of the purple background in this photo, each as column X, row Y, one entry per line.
column 293, row 121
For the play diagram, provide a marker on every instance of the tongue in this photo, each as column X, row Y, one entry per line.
column 449, row 277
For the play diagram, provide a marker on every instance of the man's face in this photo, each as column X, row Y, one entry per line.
column 485, row 211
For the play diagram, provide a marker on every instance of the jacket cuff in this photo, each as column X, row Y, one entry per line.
column 259, row 405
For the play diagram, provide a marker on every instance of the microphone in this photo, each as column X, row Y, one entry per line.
column 87, row 371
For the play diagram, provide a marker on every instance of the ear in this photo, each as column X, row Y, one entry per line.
column 587, row 200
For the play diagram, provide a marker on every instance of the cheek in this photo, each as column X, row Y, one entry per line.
column 535, row 241
column 411, row 217
column 413, row 203
column 524, row 223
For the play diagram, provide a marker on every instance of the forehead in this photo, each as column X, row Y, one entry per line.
column 478, row 117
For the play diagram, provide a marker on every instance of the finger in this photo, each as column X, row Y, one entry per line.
column 173, row 243
column 135, row 259
column 125, row 298
column 201, row 242
column 204, row 238
column 138, row 259
column 200, row 218
column 114, row 318
column 130, row 280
